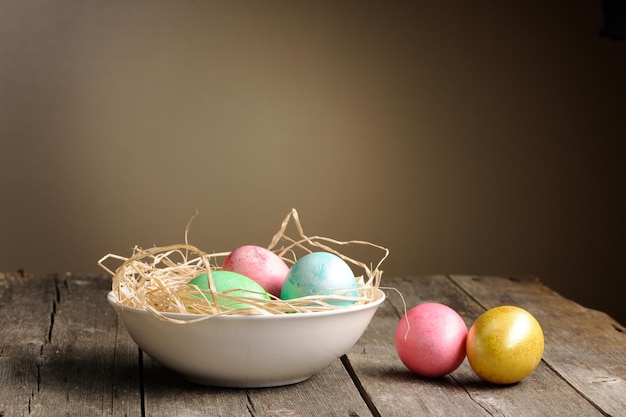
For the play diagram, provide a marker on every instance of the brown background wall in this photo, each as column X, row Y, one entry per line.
column 468, row 138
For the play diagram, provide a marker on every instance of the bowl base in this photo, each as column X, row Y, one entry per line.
column 245, row 384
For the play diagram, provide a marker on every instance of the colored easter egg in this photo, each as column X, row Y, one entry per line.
column 232, row 284
column 260, row 265
column 430, row 339
column 505, row 344
column 320, row 273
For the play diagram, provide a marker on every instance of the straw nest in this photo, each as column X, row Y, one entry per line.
column 156, row 279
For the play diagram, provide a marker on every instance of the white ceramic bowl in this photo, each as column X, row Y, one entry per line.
column 248, row 351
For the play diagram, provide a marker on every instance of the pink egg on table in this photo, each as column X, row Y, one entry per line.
column 260, row 265
column 430, row 339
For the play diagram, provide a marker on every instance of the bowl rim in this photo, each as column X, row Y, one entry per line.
column 380, row 297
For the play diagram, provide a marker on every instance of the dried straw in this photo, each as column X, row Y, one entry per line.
column 156, row 279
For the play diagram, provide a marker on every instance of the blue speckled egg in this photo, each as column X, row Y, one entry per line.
column 320, row 273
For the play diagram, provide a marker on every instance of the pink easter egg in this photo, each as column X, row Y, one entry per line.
column 430, row 339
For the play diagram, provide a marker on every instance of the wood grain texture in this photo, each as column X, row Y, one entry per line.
column 63, row 352
column 26, row 308
column 68, row 342
column 461, row 393
column 330, row 393
column 585, row 347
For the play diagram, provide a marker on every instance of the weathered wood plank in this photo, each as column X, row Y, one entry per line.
column 87, row 367
column 168, row 394
column 394, row 390
column 330, row 392
column 586, row 347
column 26, row 307
column 64, row 352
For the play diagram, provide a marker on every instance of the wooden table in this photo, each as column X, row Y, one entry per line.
column 63, row 352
